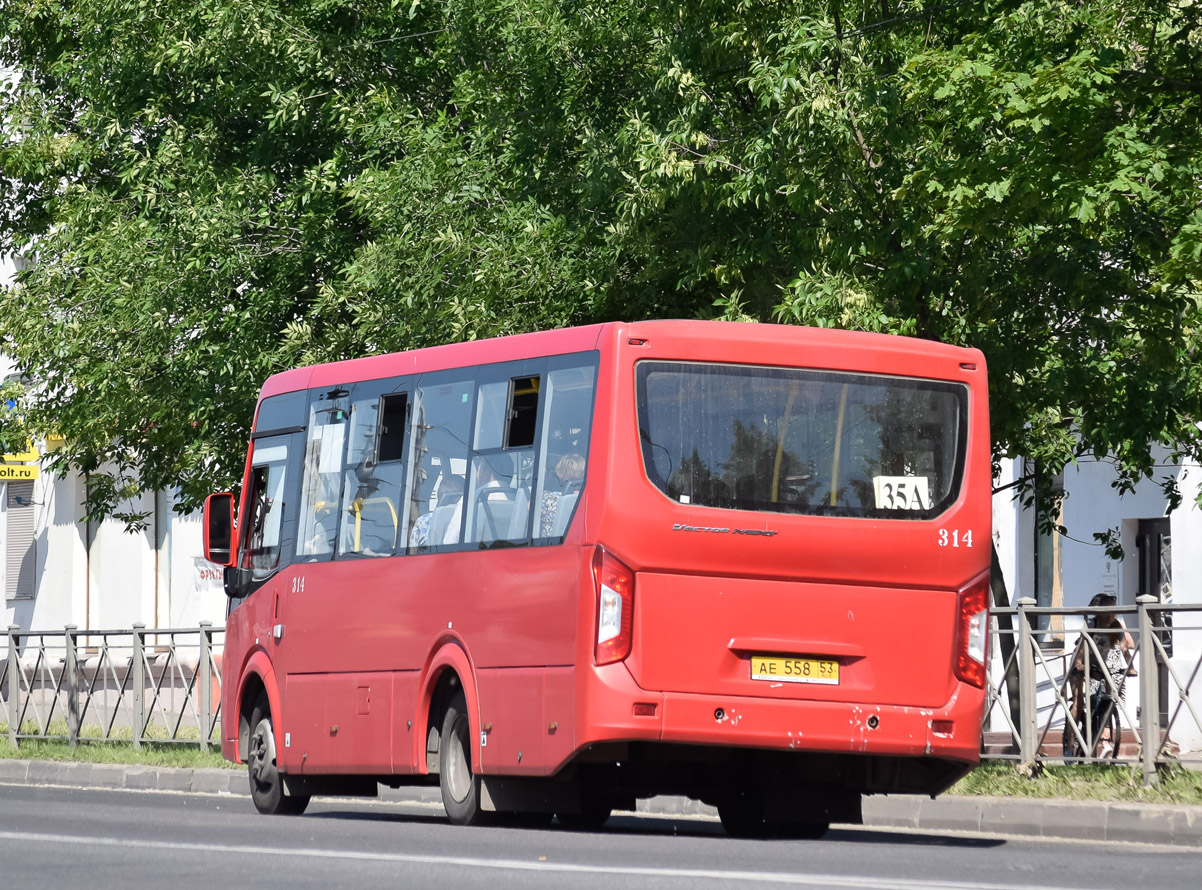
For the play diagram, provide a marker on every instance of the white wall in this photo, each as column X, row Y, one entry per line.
column 1187, row 559
column 121, row 578
column 1092, row 505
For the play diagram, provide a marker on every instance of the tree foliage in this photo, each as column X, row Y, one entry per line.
column 211, row 192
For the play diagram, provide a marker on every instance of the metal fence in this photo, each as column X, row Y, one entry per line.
column 136, row 685
column 1032, row 690
column 144, row 685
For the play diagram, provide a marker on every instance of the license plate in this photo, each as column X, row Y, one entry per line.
column 788, row 669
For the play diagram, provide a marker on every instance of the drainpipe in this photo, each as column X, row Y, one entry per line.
column 87, row 561
column 154, row 509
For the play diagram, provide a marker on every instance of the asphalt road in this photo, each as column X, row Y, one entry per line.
column 60, row 838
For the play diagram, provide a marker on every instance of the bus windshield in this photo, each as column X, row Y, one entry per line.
column 801, row 441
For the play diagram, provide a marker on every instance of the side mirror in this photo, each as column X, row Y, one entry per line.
column 219, row 529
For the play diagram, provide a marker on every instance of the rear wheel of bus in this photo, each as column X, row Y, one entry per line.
column 460, row 786
column 594, row 812
column 266, row 785
column 743, row 815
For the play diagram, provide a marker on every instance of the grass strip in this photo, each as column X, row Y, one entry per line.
column 166, row 754
column 1085, row 781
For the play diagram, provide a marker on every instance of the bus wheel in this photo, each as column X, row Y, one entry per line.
column 527, row 820
column 742, row 815
column 593, row 814
column 460, row 786
column 266, row 787
column 807, row 831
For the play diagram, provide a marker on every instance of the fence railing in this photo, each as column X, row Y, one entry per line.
column 143, row 684
column 1154, row 701
column 136, row 685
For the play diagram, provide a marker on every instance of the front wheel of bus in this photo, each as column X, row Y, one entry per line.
column 266, row 786
column 460, row 786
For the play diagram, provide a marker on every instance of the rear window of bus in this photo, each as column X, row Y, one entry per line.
column 791, row 440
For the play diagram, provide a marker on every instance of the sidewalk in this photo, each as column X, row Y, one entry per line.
column 1021, row 817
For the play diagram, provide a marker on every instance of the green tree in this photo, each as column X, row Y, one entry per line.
column 1022, row 177
column 213, row 192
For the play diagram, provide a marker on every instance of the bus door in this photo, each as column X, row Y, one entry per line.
column 336, row 666
column 267, row 532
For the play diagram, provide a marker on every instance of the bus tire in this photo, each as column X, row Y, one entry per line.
column 593, row 814
column 742, row 815
column 526, row 820
column 266, row 786
column 459, row 785
column 807, row 831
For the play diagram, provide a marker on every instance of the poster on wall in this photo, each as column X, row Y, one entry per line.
column 208, row 577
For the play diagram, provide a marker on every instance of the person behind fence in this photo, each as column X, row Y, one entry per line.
column 1116, row 650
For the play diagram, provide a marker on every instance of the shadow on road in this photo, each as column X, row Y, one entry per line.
column 664, row 826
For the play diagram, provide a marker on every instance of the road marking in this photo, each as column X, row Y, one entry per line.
column 867, row 882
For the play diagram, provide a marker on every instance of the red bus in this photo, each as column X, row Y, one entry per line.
column 557, row 572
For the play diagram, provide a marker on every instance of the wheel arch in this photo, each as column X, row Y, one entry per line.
column 258, row 681
column 448, row 673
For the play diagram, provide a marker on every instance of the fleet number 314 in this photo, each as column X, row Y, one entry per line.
column 955, row 538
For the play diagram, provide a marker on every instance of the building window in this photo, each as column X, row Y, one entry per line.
column 21, row 557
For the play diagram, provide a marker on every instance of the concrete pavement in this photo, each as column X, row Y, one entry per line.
column 1023, row 817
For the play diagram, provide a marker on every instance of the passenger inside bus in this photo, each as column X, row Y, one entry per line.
column 491, row 506
column 324, row 530
column 557, row 505
column 431, row 526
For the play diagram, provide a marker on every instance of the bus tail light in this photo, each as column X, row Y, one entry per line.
column 972, row 632
column 614, row 584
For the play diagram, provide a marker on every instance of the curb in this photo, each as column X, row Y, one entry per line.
column 1107, row 821
column 123, row 777
column 1052, row 818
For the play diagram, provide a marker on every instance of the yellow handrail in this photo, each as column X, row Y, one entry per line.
column 357, row 507
column 780, row 445
column 838, row 447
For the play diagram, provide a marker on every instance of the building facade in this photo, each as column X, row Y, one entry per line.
column 1067, row 570
column 1162, row 557
column 60, row 569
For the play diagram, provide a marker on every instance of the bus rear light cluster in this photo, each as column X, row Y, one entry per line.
column 972, row 632
column 614, row 583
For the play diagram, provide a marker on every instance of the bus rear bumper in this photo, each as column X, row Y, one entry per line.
column 953, row 731
column 618, row 710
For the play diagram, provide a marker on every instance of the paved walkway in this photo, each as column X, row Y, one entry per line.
column 1026, row 817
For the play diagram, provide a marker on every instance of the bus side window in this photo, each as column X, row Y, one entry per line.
column 322, row 476
column 500, row 503
column 372, row 486
column 492, row 500
column 563, row 449
column 265, row 510
column 441, row 420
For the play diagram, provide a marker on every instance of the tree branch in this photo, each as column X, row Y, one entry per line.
column 1192, row 86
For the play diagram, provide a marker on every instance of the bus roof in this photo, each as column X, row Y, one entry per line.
column 772, row 343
